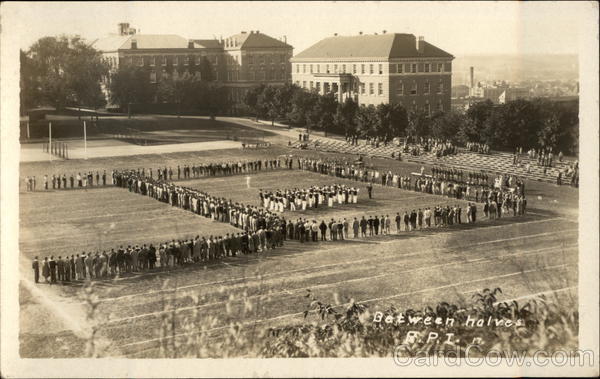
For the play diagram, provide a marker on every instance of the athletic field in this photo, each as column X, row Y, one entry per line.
column 525, row 256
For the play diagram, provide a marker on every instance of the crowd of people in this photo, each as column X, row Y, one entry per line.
column 458, row 175
column 302, row 199
column 476, row 147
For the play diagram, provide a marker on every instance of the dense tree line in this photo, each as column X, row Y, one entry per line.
column 526, row 123
column 61, row 71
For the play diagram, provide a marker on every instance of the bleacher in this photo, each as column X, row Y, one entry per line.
column 496, row 162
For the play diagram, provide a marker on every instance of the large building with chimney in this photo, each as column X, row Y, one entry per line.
column 240, row 62
column 378, row 68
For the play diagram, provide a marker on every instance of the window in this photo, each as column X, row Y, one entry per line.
column 304, row 84
column 440, row 106
column 186, row 61
column 380, row 89
column 140, row 61
column 268, row 61
column 318, row 86
column 428, row 107
column 413, row 88
column 371, row 69
column 335, row 68
column 343, row 69
column 354, row 69
column 400, row 67
column 318, row 68
column 371, row 89
column 216, row 61
column 251, row 59
column 304, row 69
column 326, row 87
column 176, row 61
column 311, row 85
column 414, row 68
column 362, row 88
column 198, row 59
column 426, row 67
column 153, row 77
column 400, row 89
column 311, row 68
column 297, row 69
column 426, row 88
column 362, row 68
column 153, row 63
column 380, row 69
column 440, row 87
column 327, row 69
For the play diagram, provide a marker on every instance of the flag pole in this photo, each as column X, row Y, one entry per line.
column 50, row 139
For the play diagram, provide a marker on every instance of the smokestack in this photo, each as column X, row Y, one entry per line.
column 360, row 32
column 472, row 77
column 123, row 28
column 420, row 45
column 285, row 39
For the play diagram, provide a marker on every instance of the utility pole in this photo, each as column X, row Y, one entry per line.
column 50, row 139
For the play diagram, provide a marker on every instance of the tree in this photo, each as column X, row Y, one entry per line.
column 206, row 70
column 366, row 120
column 185, row 91
column 447, row 126
column 63, row 71
column 346, row 116
column 418, row 124
column 325, row 109
column 216, row 99
column 302, row 105
column 477, row 113
column 392, row 120
column 251, row 99
column 30, row 94
column 266, row 103
column 130, row 85
column 283, row 99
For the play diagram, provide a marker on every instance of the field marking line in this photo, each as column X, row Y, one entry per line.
column 245, row 278
column 326, row 285
column 345, row 304
column 537, row 294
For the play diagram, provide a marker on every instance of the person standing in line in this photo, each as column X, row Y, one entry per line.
column 52, row 266
column 398, row 220
column 355, row 227
column 388, row 223
column 35, row 265
column 363, row 227
column 46, row 182
column 46, row 270
column 406, row 221
column 370, row 190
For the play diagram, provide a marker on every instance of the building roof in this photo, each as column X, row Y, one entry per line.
column 254, row 40
column 208, row 43
column 393, row 45
column 144, row 41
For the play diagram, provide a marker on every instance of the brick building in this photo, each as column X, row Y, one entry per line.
column 239, row 62
column 378, row 68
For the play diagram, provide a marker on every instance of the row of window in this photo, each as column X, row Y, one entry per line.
column 166, row 60
column 413, row 90
column 439, row 106
column 175, row 74
column 258, row 75
column 371, row 69
column 267, row 58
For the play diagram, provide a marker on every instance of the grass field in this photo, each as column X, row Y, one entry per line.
column 525, row 256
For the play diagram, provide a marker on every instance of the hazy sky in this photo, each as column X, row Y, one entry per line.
column 457, row 27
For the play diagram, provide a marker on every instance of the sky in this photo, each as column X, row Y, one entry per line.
column 461, row 28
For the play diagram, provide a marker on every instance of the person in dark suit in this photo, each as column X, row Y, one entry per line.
column 370, row 190
column 376, row 224
column 323, row 228
column 61, row 268
column 35, row 265
column 52, row 265
column 363, row 227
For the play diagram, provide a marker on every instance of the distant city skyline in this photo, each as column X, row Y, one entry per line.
column 461, row 28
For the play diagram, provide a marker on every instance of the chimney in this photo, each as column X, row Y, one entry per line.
column 257, row 31
column 123, row 28
column 420, row 46
column 472, row 77
column 335, row 34
column 243, row 32
column 385, row 31
column 360, row 32
column 133, row 43
column 285, row 39
column 190, row 44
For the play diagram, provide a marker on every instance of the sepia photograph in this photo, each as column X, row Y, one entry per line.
column 241, row 189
